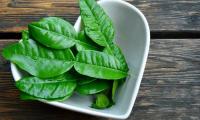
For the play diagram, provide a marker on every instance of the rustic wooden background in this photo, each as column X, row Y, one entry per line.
column 170, row 89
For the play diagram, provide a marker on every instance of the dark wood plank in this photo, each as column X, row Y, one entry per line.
column 162, row 15
column 170, row 88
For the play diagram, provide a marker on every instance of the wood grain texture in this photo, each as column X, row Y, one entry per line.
column 162, row 15
column 170, row 89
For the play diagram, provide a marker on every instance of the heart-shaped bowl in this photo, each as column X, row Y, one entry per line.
column 133, row 36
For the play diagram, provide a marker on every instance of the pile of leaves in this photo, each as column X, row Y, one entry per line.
column 61, row 61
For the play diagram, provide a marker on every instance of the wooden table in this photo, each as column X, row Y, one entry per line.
column 170, row 89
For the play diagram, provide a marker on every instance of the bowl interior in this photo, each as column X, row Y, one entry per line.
column 132, row 35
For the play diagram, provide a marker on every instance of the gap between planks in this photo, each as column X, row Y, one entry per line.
column 154, row 35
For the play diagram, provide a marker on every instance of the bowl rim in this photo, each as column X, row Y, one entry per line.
column 16, row 74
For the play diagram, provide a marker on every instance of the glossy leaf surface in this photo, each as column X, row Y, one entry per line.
column 115, row 50
column 101, row 102
column 53, row 32
column 93, row 87
column 39, row 60
column 50, row 88
column 97, row 25
column 98, row 65
column 85, row 43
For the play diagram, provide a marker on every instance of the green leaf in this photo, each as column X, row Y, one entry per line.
column 85, row 43
column 82, row 79
column 93, row 87
column 86, row 80
column 25, row 96
column 98, row 65
column 101, row 102
column 114, row 89
column 97, row 25
column 38, row 60
column 25, row 35
column 50, row 88
column 53, row 32
column 115, row 50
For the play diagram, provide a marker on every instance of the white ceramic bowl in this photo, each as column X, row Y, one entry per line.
column 133, row 36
